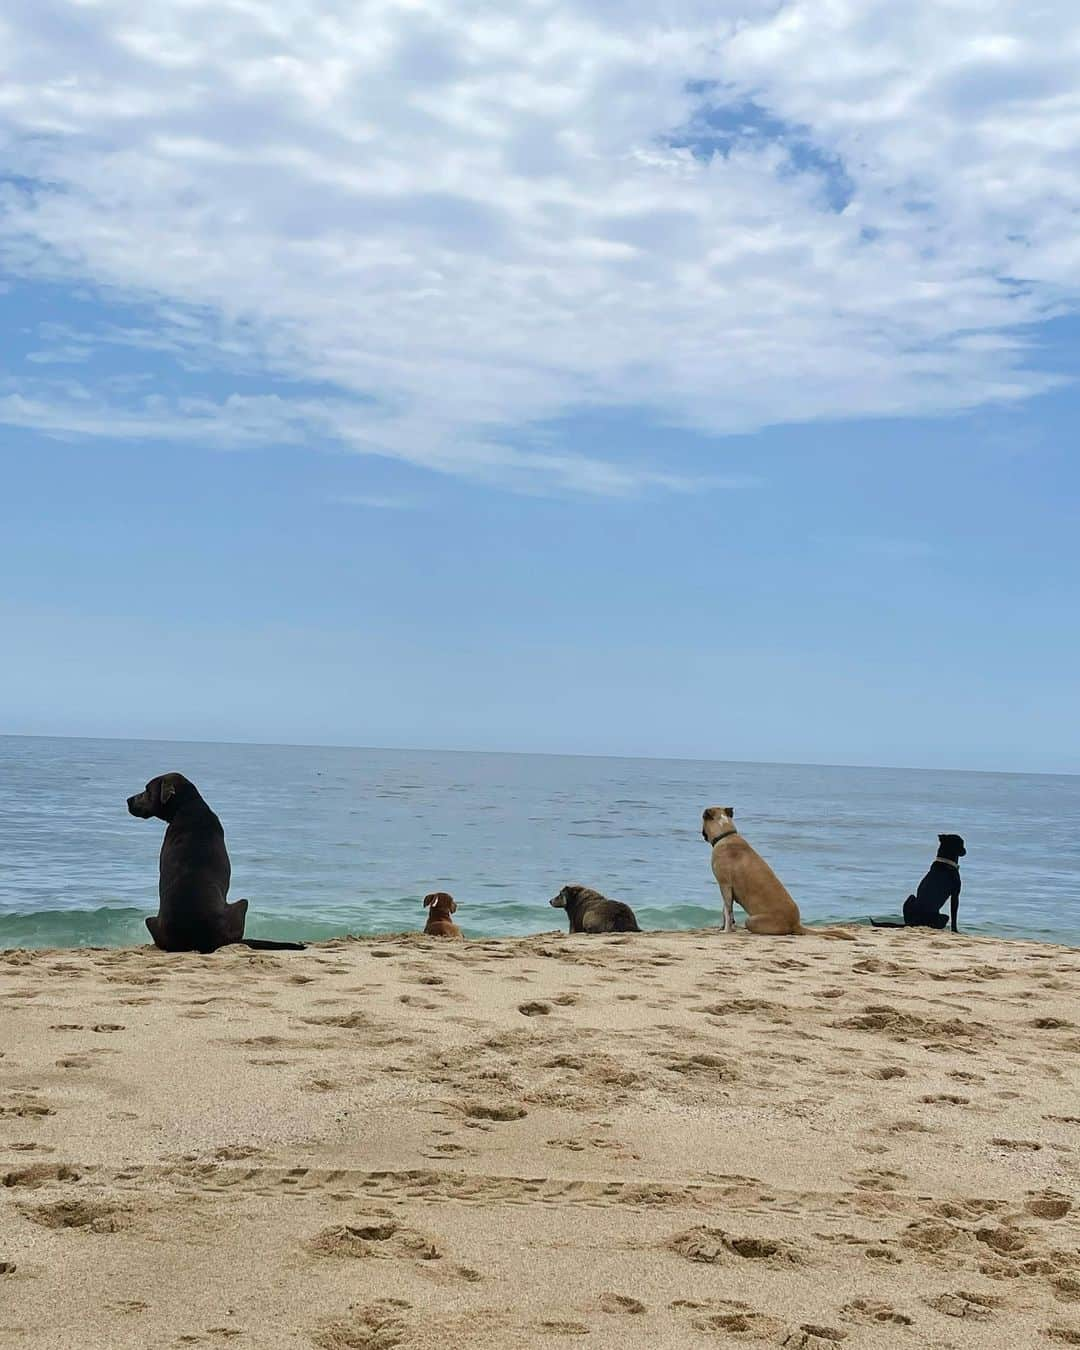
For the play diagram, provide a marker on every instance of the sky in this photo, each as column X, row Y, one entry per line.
column 686, row 380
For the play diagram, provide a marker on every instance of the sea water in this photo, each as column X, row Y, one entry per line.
column 329, row 841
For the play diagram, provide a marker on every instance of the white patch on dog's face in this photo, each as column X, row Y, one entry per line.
column 716, row 820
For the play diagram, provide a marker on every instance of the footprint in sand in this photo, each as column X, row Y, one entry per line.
column 909, row 1127
column 377, row 1325
column 973, row 1307
column 377, row 1237
column 878, row 1179
column 1048, row 1205
column 96, row 1216
column 730, row 1317
column 621, row 1303
column 713, row 1246
column 886, row 1071
column 868, row 1311
column 25, row 1108
column 812, row 1337
column 493, row 1111
column 38, row 1174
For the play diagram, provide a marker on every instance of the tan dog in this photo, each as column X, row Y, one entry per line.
column 439, row 923
column 745, row 877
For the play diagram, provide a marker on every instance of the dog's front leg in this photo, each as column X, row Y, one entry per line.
column 728, row 893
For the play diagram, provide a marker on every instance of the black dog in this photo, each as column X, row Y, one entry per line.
column 193, row 880
column 941, row 883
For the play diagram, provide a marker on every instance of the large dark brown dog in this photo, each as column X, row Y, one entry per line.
column 591, row 912
column 194, row 873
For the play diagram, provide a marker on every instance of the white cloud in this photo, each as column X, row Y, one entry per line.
column 471, row 219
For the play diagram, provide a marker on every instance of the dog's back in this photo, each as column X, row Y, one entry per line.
column 440, row 906
column 757, row 888
column 193, row 881
column 194, row 868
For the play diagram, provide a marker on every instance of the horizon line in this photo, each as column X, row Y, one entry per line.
column 547, row 754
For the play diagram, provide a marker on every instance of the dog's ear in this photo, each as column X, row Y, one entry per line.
column 728, row 811
column 167, row 790
column 453, row 906
column 428, row 900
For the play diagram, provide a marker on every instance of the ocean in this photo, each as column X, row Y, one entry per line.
column 329, row 841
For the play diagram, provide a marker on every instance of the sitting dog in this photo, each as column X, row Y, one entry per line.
column 439, row 923
column 193, row 873
column 591, row 912
column 744, row 877
column 941, row 883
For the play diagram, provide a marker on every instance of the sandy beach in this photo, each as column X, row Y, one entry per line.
column 673, row 1139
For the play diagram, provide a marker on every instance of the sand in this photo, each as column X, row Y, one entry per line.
column 635, row 1141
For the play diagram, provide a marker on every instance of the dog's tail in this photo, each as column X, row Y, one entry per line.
column 885, row 923
column 826, row 932
column 265, row 945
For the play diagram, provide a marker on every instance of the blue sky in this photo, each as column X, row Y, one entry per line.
column 565, row 377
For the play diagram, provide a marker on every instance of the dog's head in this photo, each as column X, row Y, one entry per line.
column 716, row 820
column 567, row 896
column 161, row 797
column 440, row 903
column 951, row 846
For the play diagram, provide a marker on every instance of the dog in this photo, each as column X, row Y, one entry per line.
column 439, row 923
column 591, row 912
column 744, row 877
column 193, row 873
column 941, row 883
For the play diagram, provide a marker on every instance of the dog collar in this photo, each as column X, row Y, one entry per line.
column 726, row 835
column 948, row 863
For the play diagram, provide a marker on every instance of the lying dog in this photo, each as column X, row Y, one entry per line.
column 591, row 912
column 193, row 874
column 745, row 878
column 439, row 923
column 941, row 883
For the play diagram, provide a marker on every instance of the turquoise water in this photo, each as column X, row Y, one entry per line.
column 330, row 841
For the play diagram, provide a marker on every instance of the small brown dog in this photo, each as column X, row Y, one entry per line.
column 439, row 923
